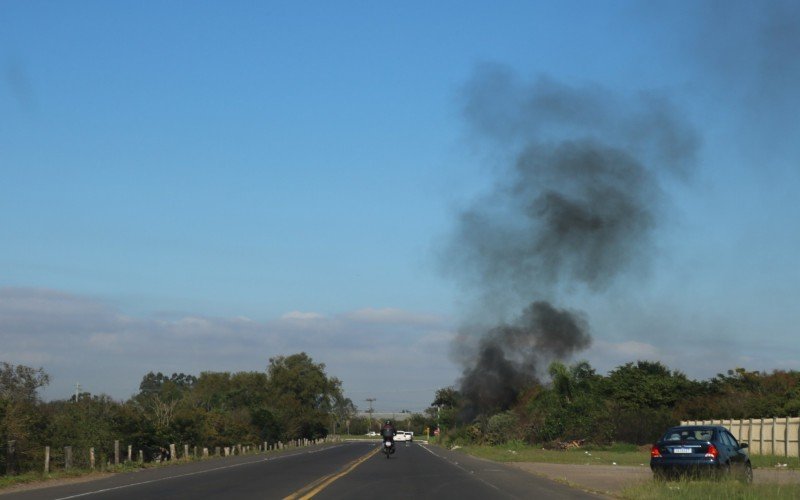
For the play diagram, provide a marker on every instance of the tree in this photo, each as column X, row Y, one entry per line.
column 647, row 384
column 93, row 421
column 343, row 410
column 20, row 415
column 643, row 397
column 167, row 388
column 21, row 383
column 302, row 396
column 447, row 397
column 572, row 407
column 445, row 407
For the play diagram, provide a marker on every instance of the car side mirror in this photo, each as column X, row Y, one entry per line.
column 743, row 446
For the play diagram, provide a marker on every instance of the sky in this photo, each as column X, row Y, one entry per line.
column 205, row 186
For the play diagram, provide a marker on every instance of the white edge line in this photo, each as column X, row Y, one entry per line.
column 471, row 473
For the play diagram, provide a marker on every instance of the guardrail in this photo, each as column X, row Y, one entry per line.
column 765, row 436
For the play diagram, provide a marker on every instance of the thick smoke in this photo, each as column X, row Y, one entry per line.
column 508, row 355
column 576, row 209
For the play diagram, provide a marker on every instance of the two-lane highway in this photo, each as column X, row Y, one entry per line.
column 345, row 470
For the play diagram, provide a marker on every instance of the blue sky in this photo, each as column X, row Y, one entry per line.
column 201, row 186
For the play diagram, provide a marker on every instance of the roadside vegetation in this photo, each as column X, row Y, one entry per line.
column 711, row 490
column 633, row 403
column 619, row 454
column 616, row 454
column 576, row 416
column 293, row 399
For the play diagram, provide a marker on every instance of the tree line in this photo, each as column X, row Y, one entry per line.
column 292, row 399
column 295, row 399
column 634, row 403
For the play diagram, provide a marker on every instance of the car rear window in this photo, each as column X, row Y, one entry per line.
column 688, row 435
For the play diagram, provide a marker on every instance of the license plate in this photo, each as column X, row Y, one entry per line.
column 682, row 450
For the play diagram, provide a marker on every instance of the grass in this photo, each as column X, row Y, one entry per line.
column 57, row 474
column 710, row 490
column 772, row 461
column 617, row 454
column 37, row 477
column 631, row 455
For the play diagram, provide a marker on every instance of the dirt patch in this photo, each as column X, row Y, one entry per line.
column 609, row 479
column 612, row 479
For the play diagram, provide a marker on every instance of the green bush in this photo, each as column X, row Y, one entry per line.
column 502, row 428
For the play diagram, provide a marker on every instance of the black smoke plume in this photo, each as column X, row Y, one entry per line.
column 576, row 210
column 508, row 355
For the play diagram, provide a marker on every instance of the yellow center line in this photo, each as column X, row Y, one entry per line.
column 320, row 484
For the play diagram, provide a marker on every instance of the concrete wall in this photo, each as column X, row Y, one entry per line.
column 766, row 436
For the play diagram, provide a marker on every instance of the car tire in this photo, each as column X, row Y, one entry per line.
column 747, row 474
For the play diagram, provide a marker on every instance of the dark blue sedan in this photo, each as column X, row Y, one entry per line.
column 694, row 449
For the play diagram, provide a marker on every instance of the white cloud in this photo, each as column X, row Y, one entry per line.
column 390, row 315
column 105, row 341
column 302, row 316
column 372, row 350
column 80, row 339
column 632, row 349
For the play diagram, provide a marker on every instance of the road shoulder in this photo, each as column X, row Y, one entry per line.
column 612, row 479
column 608, row 479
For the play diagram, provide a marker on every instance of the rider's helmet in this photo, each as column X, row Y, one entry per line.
column 388, row 422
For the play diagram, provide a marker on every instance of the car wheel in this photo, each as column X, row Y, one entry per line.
column 747, row 473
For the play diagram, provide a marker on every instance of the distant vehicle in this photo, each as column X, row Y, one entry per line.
column 694, row 449
column 404, row 436
column 372, row 434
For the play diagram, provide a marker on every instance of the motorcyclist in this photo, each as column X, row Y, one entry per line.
column 388, row 432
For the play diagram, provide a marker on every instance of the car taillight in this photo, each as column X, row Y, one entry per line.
column 655, row 452
column 712, row 452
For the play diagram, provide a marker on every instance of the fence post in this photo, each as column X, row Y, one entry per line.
column 216, row 451
column 141, row 456
column 786, row 439
column 774, row 452
column 130, row 453
column 91, row 457
column 46, row 459
column 67, row 457
column 205, row 452
column 116, row 452
column 186, row 452
column 172, row 452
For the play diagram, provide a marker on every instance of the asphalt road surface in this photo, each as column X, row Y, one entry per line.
column 352, row 470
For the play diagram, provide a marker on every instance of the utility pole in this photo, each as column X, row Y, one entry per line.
column 77, row 390
column 370, row 401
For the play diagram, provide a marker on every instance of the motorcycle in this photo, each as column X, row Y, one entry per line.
column 388, row 447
